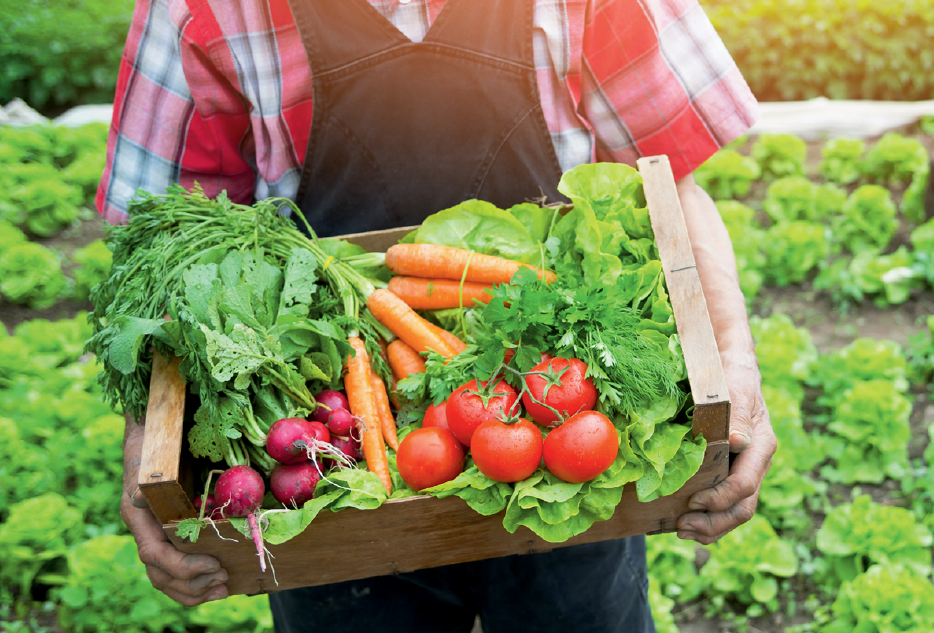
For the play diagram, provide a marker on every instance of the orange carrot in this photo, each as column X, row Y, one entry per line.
column 402, row 321
column 438, row 294
column 445, row 262
column 386, row 421
column 449, row 337
column 403, row 360
column 363, row 405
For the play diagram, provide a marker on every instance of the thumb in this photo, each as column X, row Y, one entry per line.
column 741, row 422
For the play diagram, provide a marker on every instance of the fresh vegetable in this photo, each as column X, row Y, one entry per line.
column 403, row 360
column 387, row 422
column 392, row 312
column 363, row 405
column 558, row 385
column 294, row 484
column 349, row 446
column 506, row 451
column 31, row 274
column 428, row 457
column 288, row 440
column 444, row 262
column 341, row 422
column 450, row 338
column 582, row 447
column 436, row 415
column 239, row 493
column 438, row 294
column 474, row 403
column 210, row 506
column 329, row 401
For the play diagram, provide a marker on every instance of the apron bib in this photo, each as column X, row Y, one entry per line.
column 401, row 130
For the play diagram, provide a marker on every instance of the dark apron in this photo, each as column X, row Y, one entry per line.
column 402, row 130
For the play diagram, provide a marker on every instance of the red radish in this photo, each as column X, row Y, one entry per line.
column 331, row 400
column 320, row 432
column 294, row 483
column 349, row 446
column 239, row 493
column 210, row 508
column 283, row 436
column 341, row 422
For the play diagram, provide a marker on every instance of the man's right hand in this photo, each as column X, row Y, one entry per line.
column 186, row 578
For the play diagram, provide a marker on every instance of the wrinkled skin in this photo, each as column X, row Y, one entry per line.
column 733, row 501
column 189, row 579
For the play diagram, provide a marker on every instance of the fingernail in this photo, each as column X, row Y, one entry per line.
column 216, row 582
column 697, row 505
column 740, row 441
column 214, row 597
column 687, row 535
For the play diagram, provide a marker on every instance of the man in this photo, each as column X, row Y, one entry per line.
column 375, row 113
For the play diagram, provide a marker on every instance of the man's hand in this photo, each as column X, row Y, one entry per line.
column 731, row 503
column 186, row 578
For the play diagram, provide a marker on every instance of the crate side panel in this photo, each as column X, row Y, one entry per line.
column 378, row 241
column 162, row 443
column 423, row 532
column 701, row 356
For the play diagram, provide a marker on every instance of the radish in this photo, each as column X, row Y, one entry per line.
column 294, row 483
column 349, row 446
column 283, row 437
column 210, row 508
column 239, row 493
column 341, row 422
column 320, row 432
column 330, row 400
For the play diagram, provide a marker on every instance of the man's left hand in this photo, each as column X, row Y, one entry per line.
column 732, row 502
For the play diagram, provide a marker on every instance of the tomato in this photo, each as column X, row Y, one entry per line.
column 428, row 457
column 436, row 416
column 582, row 447
column 575, row 393
column 466, row 411
column 507, row 452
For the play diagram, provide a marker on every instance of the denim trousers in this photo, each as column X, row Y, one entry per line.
column 593, row 588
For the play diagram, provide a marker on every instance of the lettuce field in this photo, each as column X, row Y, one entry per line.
column 835, row 249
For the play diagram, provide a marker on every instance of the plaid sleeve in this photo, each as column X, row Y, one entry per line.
column 657, row 79
column 176, row 119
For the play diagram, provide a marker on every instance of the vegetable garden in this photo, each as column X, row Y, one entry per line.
column 836, row 257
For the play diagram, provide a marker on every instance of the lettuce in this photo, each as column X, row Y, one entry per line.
column 868, row 221
column 886, row 599
column 794, row 249
column 797, row 198
column 856, row 535
column 842, row 162
column 727, row 174
column 31, row 274
column 779, row 155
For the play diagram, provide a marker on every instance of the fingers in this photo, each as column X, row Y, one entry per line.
column 189, row 601
column 198, row 589
column 745, row 477
column 708, row 527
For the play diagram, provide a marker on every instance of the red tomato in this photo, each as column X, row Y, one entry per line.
column 428, row 457
column 574, row 394
column 467, row 411
column 436, row 416
column 582, row 447
column 507, row 452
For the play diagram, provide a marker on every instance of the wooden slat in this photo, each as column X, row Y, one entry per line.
column 162, row 443
column 705, row 372
column 416, row 533
column 378, row 241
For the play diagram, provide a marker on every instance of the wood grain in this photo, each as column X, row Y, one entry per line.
column 416, row 533
column 378, row 241
column 705, row 372
column 162, row 443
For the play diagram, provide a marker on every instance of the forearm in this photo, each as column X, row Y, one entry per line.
column 716, row 267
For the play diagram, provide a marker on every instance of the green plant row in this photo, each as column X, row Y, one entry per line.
column 841, row 49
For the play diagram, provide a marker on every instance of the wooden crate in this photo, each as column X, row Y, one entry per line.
column 408, row 534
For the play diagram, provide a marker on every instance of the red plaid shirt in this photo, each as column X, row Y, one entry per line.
column 219, row 91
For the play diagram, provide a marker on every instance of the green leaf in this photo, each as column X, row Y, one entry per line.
column 130, row 333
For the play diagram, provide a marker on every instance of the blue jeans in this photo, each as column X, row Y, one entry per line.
column 594, row 588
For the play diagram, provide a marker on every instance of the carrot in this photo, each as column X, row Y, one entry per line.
column 402, row 321
column 363, row 404
column 449, row 337
column 438, row 294
column 446, row 262
column 403, row 360
column 386, row 421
